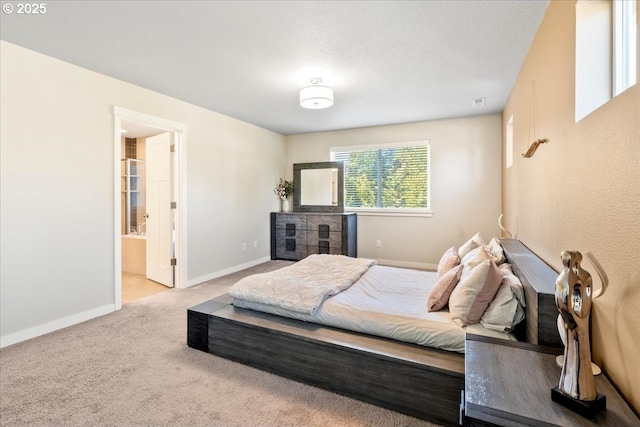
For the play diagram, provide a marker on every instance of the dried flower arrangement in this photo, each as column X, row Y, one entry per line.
column 284, row 189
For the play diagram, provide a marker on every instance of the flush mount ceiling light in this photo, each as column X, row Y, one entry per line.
column 316, row 96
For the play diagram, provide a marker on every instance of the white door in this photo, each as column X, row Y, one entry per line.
column 159, row 212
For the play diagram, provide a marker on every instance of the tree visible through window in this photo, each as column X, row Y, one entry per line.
column 390, row 177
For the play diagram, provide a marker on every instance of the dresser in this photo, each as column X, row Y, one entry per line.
column 295, row 235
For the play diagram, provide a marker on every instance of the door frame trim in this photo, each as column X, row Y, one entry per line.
column 179, row 131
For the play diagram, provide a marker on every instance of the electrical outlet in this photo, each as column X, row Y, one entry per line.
column 244, row 246
column 255, row 243
column 378, row 244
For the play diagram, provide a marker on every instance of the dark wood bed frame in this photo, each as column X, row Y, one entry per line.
column 418, row 381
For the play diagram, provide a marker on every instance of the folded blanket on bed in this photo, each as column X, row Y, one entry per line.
column 302, row 286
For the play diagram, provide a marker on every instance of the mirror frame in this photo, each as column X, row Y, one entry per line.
column 298, row 167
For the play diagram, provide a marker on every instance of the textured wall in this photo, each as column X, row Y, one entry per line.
column 581, row 190
column 465, row 186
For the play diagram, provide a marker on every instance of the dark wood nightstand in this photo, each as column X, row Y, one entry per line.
column 508, row 383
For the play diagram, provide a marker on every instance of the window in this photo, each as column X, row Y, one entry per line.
column 593, row 55
column 386, row 178
column 606, row 52
column 625, row 45
column 509, row 149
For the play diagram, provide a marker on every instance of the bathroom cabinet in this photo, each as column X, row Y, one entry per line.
column 133, row 196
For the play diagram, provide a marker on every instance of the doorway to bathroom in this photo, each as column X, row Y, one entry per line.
column 148, row 221
column 145, row 227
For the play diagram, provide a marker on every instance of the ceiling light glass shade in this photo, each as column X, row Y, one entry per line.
column 316, row 97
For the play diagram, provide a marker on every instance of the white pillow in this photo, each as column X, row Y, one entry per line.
column 506, row 310
column 497, row 253
column 475, row 290
column 470, row 244
column 514, row 283
column 482, row 253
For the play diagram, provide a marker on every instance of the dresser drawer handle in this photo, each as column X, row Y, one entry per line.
column 323, row 247
column 323, row 231
column 290, row 245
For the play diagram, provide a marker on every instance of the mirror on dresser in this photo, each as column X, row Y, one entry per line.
column 318, row 223
column 318, row 187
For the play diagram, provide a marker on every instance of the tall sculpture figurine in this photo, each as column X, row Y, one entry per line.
column 573, row 299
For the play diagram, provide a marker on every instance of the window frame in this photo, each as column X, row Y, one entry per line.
column 625, row 48
column 414, row 212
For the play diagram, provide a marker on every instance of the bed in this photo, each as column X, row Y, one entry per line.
column 405, row 376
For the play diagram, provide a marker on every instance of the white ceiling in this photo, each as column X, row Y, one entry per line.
column 387, row 61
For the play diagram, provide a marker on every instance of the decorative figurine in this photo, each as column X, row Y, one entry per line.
column 577, row 387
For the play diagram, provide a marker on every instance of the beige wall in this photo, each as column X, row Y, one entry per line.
column 465, row 186
column 57, row 190
column 581, row 190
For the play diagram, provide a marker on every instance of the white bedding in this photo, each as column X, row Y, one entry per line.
column 388, row 302
column 303, row 286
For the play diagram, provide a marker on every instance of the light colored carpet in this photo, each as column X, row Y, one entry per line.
column 133, row 368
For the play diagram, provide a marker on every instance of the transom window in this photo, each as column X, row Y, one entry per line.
column 625, row 45
column 386, row 178
column 606, row 52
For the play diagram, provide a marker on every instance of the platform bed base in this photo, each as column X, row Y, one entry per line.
column 416, row 381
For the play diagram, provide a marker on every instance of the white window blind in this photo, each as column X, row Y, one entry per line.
column 394, row 176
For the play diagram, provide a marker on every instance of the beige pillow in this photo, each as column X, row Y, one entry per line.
column 448, row 260
column 439, row 295
column 470, row 244
column 476, row 289
column 475, row 257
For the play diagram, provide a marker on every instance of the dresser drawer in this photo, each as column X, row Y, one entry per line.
column 284, row 252
column 329, row 222
column 329, row 245
column 291, row 248
column 291, row 221
column 299, row 235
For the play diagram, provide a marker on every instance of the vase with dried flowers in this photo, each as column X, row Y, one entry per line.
column 283, row 190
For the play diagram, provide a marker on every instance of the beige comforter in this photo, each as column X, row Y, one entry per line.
column 302, row 286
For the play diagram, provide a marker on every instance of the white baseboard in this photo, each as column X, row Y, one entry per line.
column 36, row 331
column 408, row 264
column 39, row 330
column 215, row 275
